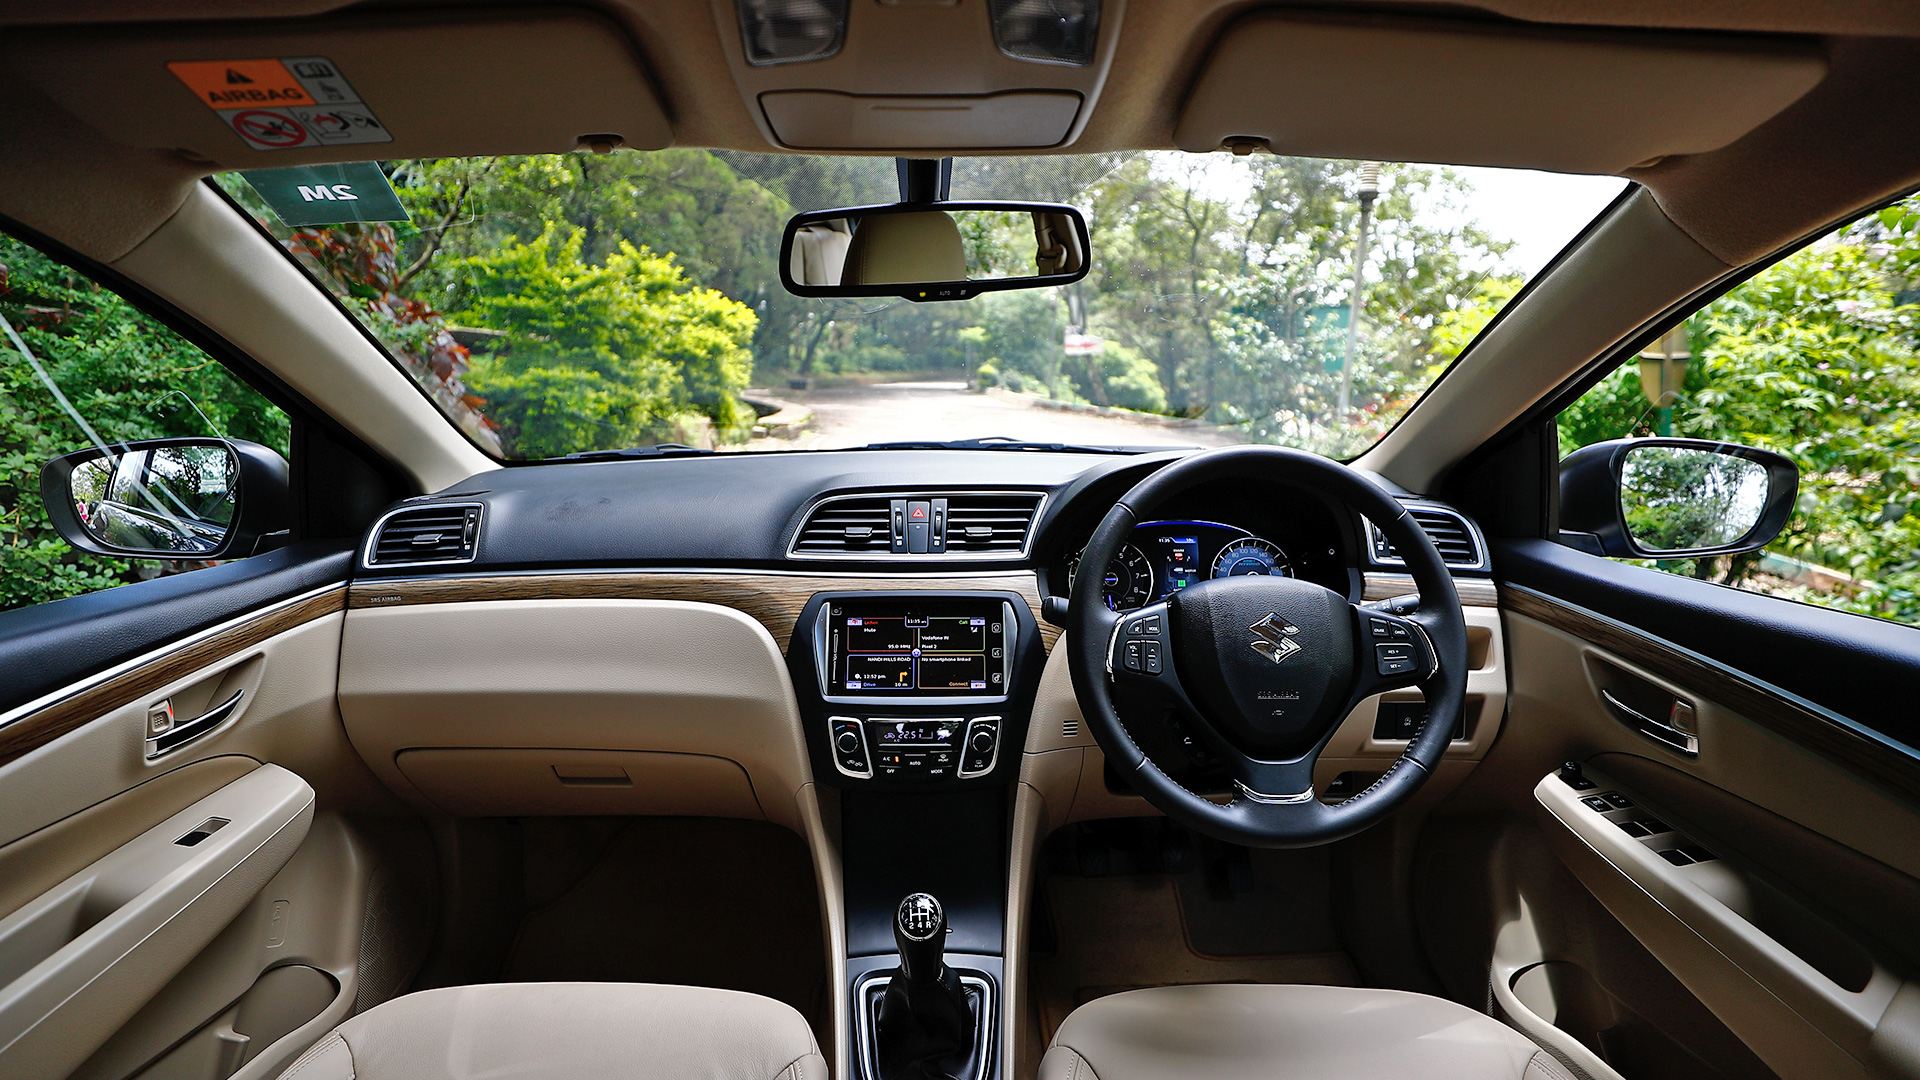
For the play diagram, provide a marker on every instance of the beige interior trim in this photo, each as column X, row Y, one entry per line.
column 528, row 81
column 1718, row 933
column 1316, row 85
column 517, row 782
column 244, row 288
column 820, row 825
column 82, row 957
column 657, row 676
column 1624, row 274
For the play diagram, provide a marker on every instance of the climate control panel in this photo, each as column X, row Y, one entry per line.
column 916, row 750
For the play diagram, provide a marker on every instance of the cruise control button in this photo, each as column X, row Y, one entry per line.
column 1380, row 627
column 1393, row 659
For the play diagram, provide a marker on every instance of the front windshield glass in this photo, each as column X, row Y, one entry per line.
column 563, row 304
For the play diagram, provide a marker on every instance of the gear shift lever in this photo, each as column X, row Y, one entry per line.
column 926, row 1026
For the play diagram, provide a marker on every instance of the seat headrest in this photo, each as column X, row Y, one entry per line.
column 892, row 249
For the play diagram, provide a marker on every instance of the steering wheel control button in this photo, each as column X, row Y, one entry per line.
column 1394, row 659
column 1152, row 662
column 1145, row 627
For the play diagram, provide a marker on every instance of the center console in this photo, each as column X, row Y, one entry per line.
column 915, row 706
column 915, row 690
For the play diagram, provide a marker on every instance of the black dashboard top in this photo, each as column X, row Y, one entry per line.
column 745, row 510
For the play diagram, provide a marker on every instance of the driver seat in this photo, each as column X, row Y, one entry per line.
column 1265, row 1032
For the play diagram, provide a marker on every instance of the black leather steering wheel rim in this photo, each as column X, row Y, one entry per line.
column 1253, row 817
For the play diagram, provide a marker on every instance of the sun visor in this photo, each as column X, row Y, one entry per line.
column 1471, row 94
column 249, row 96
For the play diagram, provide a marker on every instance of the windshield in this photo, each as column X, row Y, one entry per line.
column 564, row 304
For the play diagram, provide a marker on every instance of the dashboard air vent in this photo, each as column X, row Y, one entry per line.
column 429, row 534
column 1451, row 535
column 854, row 526
column 920, row 524
column 993, row 522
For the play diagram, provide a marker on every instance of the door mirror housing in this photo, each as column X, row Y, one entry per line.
column 926, row 251
column 189, row 499
column 1674, row 498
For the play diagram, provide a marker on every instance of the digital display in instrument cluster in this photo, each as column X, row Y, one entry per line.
column 1180, row 556
column 925, row 648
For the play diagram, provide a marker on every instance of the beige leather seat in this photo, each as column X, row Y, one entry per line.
column 890, row 249
column 568, row 1031
column 1283, row 1032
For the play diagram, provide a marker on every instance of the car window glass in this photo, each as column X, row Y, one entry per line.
column 79, row 367
column 1816, row 358
column 578, row 302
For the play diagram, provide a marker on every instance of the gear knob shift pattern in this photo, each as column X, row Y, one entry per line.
column 920, row 932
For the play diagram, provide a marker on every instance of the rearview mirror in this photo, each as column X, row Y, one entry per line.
column 933, row 250
column 168, row 498
column 1674, row 498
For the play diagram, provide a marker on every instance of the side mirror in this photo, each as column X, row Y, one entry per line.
column 168, row 498
column 933, row 250
column 1674, row 498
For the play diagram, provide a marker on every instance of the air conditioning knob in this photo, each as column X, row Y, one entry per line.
column 847, row 742
column 982, row 742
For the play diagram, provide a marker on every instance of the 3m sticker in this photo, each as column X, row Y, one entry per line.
column 286, row 104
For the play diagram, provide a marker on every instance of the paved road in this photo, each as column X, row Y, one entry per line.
column 894, row 412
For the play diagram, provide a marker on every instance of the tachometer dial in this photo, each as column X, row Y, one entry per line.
column 1250, row 557
column 1129, row 579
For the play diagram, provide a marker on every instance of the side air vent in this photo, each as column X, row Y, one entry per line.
column 853, row 526
column 1458, row 544
column 920, row 524
column 991, row 523
column 1070, row 727
column 427, row 534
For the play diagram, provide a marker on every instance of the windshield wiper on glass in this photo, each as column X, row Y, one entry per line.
column 665, row 449
column 1001, row 442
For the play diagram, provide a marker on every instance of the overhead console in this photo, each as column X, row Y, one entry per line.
column 828, row 77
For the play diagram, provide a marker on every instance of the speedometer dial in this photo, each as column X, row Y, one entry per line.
column 1251, row 556
column 1129, row 579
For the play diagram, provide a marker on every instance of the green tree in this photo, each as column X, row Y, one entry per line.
column 599, row 356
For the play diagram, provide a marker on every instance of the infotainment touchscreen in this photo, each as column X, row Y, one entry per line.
column 954, row 647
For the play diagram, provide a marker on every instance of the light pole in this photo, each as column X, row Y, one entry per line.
column 1663, row 371
column 1369, row 190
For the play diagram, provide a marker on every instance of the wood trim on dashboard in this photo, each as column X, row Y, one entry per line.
column 92, row 701
column 774, row 600
column 1768, row 706
column 1473, row 591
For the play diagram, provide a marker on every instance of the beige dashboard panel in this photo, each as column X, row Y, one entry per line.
column 653, row 676
column 478, row 782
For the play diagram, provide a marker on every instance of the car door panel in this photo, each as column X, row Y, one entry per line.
column 77, row 961
column 47, row 648
column 229, row 1001
column 1794, row 924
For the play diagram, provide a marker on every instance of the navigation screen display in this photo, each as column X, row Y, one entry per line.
column 899, row 647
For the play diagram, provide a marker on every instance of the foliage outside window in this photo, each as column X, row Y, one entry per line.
column 578, row 302
column 1816, row 358
column 123, row 373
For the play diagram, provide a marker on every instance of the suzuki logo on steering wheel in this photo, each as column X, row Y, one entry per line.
column 1275, row 637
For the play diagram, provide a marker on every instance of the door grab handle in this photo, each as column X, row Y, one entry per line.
column 1657, row 730
column 185, row 731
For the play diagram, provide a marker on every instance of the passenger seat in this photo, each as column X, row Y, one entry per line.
column 568, row 1031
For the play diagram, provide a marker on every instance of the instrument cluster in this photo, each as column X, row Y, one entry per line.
column 1163, row 557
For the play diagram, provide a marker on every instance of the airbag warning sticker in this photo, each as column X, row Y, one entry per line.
column 298, row 102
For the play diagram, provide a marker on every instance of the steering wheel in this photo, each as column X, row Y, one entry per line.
column 1266, row 668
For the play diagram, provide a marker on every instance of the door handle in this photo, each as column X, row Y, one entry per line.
column 1658, row 730
column 165, row 734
